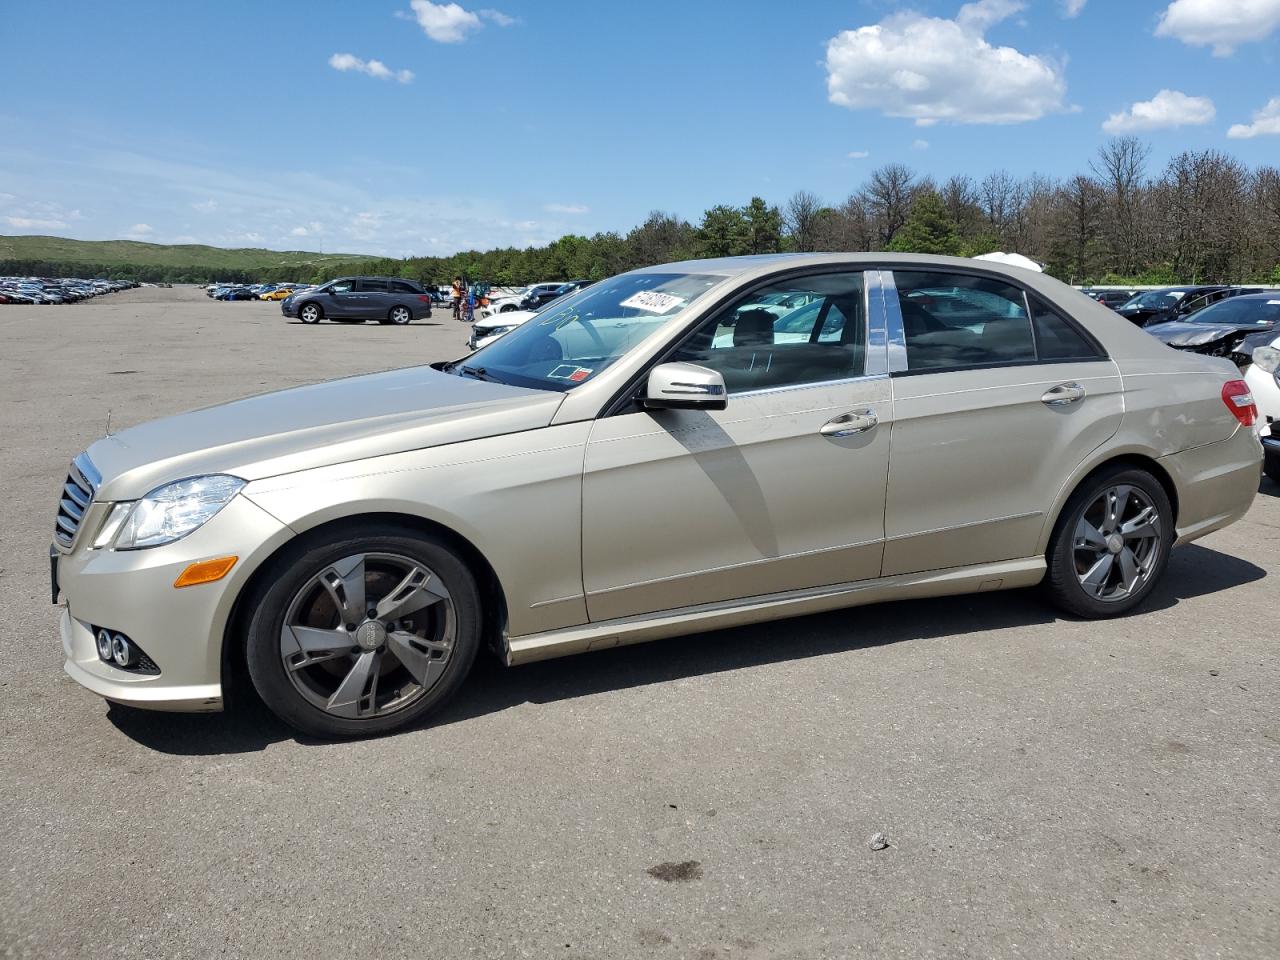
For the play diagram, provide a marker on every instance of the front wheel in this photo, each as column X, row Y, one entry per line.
column 364, row 633
column 1111, row 544
column 310, row 313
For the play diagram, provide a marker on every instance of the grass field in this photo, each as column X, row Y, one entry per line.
column 196, row 258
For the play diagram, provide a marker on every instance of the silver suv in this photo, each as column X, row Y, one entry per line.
column 357, row 299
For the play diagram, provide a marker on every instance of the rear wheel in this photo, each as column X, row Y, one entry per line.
column 1111, row 544
column 400, row 316
column 310, row 313
column 364, row 634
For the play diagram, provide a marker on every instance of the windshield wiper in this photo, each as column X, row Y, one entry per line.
column 480, row 373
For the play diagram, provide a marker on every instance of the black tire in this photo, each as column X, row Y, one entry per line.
column 1063, row 583
column 311, row 313
column 294, row 570
column 508, row 308
column 400, row 315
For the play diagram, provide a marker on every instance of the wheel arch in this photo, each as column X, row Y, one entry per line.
column 1138, row 459
column 235, row 676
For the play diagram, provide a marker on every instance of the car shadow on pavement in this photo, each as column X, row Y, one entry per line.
column 1269, row 488
column 247, row 726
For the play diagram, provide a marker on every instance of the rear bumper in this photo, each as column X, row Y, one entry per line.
column 1216, row 483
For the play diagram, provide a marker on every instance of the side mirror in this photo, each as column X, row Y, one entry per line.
column 685, row 386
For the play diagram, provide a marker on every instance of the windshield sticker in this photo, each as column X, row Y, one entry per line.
column 571, row 372
column 653, row 301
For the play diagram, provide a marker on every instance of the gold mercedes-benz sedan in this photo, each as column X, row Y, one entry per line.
column 680, row 448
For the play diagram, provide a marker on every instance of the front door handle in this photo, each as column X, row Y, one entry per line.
column 1063, row 394
column 848, row 424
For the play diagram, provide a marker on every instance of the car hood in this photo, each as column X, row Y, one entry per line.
column 315, row 426
column 1185, row 334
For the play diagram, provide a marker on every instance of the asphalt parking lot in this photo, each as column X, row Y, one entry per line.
column 1048, row 788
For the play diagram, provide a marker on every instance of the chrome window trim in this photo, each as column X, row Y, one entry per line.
column 813, row 384
column 877, row 361
column 896, row 336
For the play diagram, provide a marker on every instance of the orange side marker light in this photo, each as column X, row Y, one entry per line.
column 205, row 571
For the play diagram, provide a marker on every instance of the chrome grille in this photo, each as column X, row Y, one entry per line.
column 77, row 494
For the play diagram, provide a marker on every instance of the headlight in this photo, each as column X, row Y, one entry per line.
column 1267, row 358
column 494, row 331
column 171, row 512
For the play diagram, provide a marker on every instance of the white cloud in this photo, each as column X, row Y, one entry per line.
column 919, row 144
column 571, row 208
column 374, row 68
column 299, row 232
column 930, row 69
column 859, row 154
column 450, row 23
column 205, row 206
column 139, row 230
column 1266, row 122
column 35, row 223
column 498, row 17
column 1168, row 108
column 1221, row 24
column 1072, row 8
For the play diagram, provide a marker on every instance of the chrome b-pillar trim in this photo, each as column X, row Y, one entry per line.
column 895, row 335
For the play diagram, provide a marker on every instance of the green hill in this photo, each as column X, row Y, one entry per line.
column 132, row 259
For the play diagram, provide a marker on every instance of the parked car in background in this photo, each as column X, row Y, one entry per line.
column 485, row 330
column 1159, row 306
column 1111, row 298
column 1221, row 328
column 1263, row 378
column 613, row 472
column 538, row 298
column 235, row 293
column 357, row 299
column 512, row 301
column 277, row 293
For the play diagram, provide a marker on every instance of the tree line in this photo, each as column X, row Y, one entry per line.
column 1203, row 217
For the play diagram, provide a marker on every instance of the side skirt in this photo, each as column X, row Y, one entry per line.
column 980, row 578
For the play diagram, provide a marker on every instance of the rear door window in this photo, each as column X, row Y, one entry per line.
column 954, row 321
column 372, row 286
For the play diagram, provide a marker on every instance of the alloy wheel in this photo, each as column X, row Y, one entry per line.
column 1117, row 543
column 368, row 635
column 401, row 315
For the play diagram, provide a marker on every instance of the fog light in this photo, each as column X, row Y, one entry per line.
column 104, row 646
column 122, row 651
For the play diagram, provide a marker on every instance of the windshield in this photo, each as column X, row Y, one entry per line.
column 1234, row 311
column 577, row 337
column 1156, row 299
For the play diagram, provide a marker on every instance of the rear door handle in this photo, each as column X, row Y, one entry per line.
column 848, row 424
column 1063, row 394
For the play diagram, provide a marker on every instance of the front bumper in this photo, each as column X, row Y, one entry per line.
column 288, row 308
column 181, row 630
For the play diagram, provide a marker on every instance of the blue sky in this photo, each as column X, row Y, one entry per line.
column 266, row 124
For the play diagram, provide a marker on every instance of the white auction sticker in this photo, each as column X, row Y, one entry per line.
column 652, row 300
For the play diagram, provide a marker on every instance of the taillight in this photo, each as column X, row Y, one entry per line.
column 424, row 299
column 1239, row 400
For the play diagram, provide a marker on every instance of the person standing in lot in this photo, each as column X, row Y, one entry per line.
column 457, row 292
